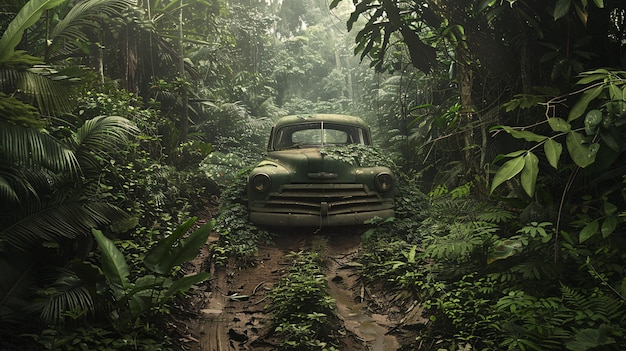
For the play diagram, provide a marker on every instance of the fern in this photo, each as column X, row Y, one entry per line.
column 580, row 320
column 495, row 215
column 522, row 328
column 462, row 241
column 594, row 308
column 587, row 339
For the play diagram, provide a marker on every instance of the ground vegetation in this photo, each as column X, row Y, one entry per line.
column 121, row 122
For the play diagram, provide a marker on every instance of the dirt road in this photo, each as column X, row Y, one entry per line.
column 231, row 308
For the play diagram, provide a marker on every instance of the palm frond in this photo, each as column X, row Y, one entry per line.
column 82, row 15
column 32, row 289
column 50, row 221
column 259, row 122
column 104, row 133
column 48, row 90
column 98, row 137
column 66, row 295
column 40, row 86
column 20, row 184
column 71, row 27
column 27, row 146
column 7, row 193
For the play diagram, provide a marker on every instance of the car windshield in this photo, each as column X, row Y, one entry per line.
column 318, row 134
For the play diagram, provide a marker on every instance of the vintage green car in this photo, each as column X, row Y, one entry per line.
column 298, row 184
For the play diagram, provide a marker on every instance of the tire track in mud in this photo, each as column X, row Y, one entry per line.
column 233, row 315
column 351, row 303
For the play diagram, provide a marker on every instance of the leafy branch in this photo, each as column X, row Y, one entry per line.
column 604, row 99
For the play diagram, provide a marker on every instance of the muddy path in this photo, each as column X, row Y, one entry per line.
column 230, row 311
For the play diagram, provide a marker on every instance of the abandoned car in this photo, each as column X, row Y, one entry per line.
column 298, row 184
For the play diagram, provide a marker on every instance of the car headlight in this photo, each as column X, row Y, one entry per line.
column 383, row 181
column 261, row 182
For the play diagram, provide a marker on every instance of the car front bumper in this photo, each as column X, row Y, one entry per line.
column 310, row 220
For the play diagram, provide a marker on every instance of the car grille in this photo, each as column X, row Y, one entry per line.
column 334, row 198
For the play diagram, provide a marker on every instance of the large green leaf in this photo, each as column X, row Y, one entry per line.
column 592, row 120
column 509, row 155
column 529, row 173
column 610, row 208
column 589, row 230
column 161, row 250
column 553, row 152
column 598, row 75
column 114, row 264
column 146, row 291
column 508, row 170
column 561, row 8
column 592, row 339
column 581, row 105
column 559, row 124
column 581, row 152
column 524, row 134
column 615, row 92
column 183, row 284
column 173, row 250
column 608, row 226
column 613, row 139
column 28, row 15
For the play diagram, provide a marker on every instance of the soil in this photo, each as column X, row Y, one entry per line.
column 228, row 311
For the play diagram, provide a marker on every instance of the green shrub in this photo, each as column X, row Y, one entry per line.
column 303, row 311
column 238, row 236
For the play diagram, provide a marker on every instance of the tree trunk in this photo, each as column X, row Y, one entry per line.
column 465, row 80
column 184, row 126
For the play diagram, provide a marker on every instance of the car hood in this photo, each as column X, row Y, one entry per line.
column 309, row 165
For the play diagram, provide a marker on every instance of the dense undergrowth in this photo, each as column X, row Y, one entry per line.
column 303, row 313
column 487, row 280
column 238, row 236
column 100, row 290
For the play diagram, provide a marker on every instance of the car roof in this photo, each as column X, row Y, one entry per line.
column 334, row 118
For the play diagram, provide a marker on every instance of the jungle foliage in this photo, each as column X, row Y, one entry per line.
column 304, row 316
column 507, row 252
column 121, row 120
